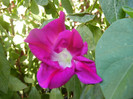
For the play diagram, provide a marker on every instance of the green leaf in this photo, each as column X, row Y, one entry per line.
column 42, row 2
column 15, row 84
column 34, row 94
column 129, row 3
column 30, row 57
column 28, row 80
column 45, row 96
column 114, row 60
column 92, row 92
column 56, row 2
column 87, row 36
column 113, row 9
column 6, row 2
column 14, row 55
column 74, row 85
column 26, row 3
column 81, row 18
column 128, row 10
column 2, row 29
column 8, row 95
column 4, row 24
column 16, row 96
column 4, row 71
column 34, row 7
column 51, row 9
column 56, row 94
column 67, row 5
column 97, row 33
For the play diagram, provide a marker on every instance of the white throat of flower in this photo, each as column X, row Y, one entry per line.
column 64, row 58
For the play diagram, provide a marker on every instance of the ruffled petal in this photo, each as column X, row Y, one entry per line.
column 84, row 49
column 37, row 36
column 53, row 28
column 41, row 41
column 76, row 45
column 40, row 51
column 49, row 33
column 52, row 63
column 72, row 41
column 86, row 72
column 49, row 77
column 82, row 59
column 39, row 46
column 43, row 74
column 62, row 41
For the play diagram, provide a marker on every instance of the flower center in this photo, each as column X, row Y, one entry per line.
column 64, row 58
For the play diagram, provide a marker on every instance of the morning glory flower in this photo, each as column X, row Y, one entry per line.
column 61, row 52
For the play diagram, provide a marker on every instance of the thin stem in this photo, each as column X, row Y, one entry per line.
column 93, row 7
column 12, row 27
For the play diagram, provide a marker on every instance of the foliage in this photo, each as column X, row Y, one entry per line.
column 115, row 60
column 109, row 38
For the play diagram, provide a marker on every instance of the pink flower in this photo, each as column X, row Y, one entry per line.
column 61, row 52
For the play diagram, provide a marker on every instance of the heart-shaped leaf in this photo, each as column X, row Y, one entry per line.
column 114, row 60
